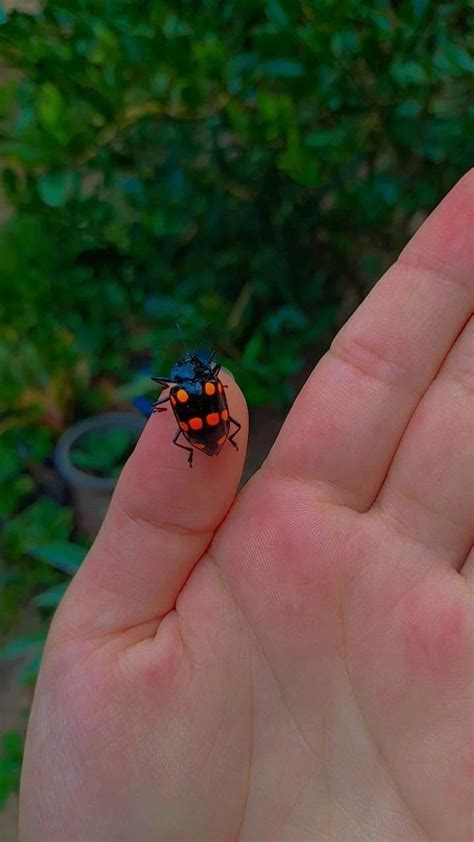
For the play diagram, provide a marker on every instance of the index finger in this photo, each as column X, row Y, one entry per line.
column 346, row 424
column 161, row 519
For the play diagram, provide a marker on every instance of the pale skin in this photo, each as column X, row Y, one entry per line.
column 294, row 664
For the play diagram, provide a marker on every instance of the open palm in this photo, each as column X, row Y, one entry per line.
column 295, row 664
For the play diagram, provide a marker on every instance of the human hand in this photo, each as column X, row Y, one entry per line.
column 295, row 664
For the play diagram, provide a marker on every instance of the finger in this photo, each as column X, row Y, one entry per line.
column 429, row 490
column 161, row 519
column 347, row 422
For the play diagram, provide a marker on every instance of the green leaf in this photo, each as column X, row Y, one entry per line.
column 21, row 646
column 13, row 745
column 459, row 58
column 344, row 42
column 254, row 348
column 9, row 462
column 419, row 7
column 63, row 555
column 408, row 109
column 50, row 105
column 282, row 68
column 13, row 493
column 55, row 188
column 276, row 12
column 51, row 597
column 36, row 525
column 11, row 755
column 408, row 72
column 136, row 387
column 30, row 673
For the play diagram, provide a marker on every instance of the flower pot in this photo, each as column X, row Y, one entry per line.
column 91, row 493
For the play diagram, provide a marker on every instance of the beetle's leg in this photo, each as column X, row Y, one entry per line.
column 231, row 438
column 155, row 406
column 216, row 371
column 183, row 447
column 163, row 381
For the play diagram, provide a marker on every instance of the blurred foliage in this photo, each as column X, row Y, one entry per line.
column 65, row 557
column 248, row 163
column 27, row 519
column 230, row 162
column 11, row 753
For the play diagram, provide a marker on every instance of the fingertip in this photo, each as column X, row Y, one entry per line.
column 157, row 482
column 161, row 519
column 445, row 241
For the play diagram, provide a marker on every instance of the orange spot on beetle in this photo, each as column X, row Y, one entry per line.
column 219, row 387
column 200, row 446
column 184, row 426
column 212, row 419
column 173, row 400
column 209, row 388
column 182, row 395
column 224, row 414
column 195, row 423
column 222, row 439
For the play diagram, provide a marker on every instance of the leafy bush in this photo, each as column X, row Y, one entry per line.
column 233, row 162
column 11, row 753
column 36, row 558
column 249, row 163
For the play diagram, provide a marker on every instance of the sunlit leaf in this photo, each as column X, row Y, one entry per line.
column 55, row 188
column 21, row 646
column 51, row 597
column 63, row 555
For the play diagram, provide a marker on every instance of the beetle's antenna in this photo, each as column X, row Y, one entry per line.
column 181, row 335
column 202, row 337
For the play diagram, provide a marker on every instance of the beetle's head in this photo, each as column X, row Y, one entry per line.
column 191, row 367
